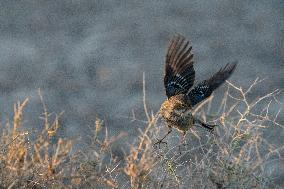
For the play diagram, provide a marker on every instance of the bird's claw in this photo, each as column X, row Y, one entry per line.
column 159, row 142
column 212, row 130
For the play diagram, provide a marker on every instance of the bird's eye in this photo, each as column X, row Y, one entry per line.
column 178, row 107
column 179, row 111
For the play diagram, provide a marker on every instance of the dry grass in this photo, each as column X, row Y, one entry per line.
column 235, row 156
column 35, row 163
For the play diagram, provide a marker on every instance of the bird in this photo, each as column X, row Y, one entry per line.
column 182, row 94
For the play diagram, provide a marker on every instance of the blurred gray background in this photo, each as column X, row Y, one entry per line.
column 88, row 56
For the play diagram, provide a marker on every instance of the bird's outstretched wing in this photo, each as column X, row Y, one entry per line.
column 179, row 71
column 204, row 89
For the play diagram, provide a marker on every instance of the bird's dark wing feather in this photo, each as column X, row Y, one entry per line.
column 179, row 71
column 204, row 89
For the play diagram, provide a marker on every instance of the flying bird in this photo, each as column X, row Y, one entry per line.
column 179, row 79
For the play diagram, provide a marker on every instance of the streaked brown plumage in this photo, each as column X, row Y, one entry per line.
column 178, row 80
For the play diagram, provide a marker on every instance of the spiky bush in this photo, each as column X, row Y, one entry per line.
column 236, row 155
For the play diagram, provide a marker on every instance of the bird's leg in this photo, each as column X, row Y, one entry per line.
column 205, row 125
column 182, row 138
column 181, row 141
column 161, row 140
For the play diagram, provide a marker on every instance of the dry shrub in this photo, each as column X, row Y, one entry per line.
column 141, row 160
column 98, row 166
column 32, row 163
column 236, row 155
